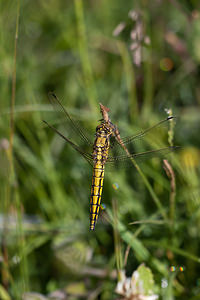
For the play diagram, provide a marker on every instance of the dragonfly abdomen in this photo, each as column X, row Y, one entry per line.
column 96, row 192
column 100, row 155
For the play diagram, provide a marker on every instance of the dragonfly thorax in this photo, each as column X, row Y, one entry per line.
column 106, row 128
column 102, row 143
column 103, row 129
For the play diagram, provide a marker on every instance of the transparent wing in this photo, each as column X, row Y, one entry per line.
column 58, row 107
column 125, row 160
column 133, row 138
column 86, row 155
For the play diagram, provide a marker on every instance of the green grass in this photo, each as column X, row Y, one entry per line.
column 69, row 48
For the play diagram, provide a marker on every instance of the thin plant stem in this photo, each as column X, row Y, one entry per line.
column 146, row 182
column 84, row 54
column 130, row 80
column 128, row 248
column 9, row 156
column 12, row 182
column 150, row 189
column 170, row 173
column 14, row 83
column 118, row 252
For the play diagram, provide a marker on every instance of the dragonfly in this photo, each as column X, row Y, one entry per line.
column 107, row 136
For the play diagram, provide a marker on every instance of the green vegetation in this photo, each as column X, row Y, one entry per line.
column 142, row 61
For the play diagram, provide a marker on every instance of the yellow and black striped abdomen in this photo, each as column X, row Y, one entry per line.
column 96, row 192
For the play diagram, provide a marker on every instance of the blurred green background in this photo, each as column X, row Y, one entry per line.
column 139, row 58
